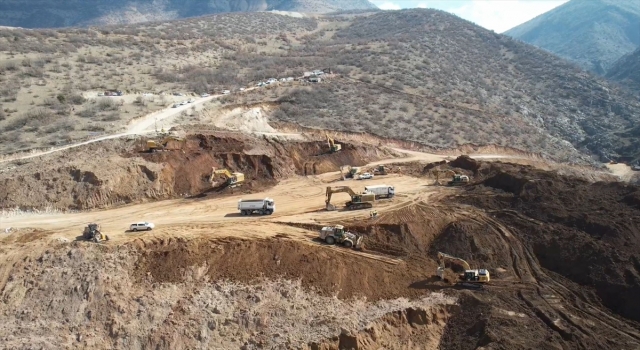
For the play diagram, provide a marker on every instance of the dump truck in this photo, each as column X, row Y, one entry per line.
column 265, row 206
column 92, row 233
column 363, row 200
column 337, row 234
column 381, row 191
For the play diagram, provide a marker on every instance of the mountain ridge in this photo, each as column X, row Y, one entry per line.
column 69, row 13
column 593, row 34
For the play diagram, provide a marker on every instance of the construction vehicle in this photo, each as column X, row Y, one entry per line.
column 257, row 206
column 167, row 143
column 470, row 275
column 92, row 233
column 363, row 200
column 333, row 147
column 458, row 180
column 337, row 234
column 232, row 179
column 380, row 170
column 348, row 172
column 381, row 191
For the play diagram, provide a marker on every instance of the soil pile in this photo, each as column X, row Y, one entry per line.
column 119, row 172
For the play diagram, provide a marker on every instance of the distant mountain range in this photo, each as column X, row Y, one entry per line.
column 592, row 33
column 67, row 13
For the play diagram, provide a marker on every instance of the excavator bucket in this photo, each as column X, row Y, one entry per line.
column 331, row 207
column 358, row 245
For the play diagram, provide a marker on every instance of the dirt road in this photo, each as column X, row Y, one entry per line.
column 299, row 199
column 137, row 126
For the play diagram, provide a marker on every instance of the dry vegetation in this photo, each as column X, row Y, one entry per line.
column 421, row 75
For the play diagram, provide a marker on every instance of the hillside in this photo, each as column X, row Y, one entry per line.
column 66, row 13
column 627, row 70
column 419, row 75
column 593, row 33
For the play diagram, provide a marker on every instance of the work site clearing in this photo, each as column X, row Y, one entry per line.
column 561, row 249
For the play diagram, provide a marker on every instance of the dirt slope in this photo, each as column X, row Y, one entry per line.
column 119, row 173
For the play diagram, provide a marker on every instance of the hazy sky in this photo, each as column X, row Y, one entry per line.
column 498, row 15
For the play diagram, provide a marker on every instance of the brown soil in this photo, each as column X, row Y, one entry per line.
column 71, row 180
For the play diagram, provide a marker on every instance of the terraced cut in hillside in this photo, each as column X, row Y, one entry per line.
column 207, row 276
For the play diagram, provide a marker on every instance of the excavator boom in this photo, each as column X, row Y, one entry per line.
column 443, row 256
column 358, row 201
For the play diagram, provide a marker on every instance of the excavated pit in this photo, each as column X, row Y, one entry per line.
column 74, row 180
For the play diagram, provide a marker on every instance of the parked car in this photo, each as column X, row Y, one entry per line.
column 141, row 226
column 226, row 92
column 241, row 89
column 176, row 105
column 365, row 176
column 204, row 95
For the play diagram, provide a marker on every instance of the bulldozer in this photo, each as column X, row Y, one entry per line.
column 363, row 200
column 337, row 234
column 333, row 147
column 92, row 233
column 470, row 275
column 164, row 144
column 232, row 179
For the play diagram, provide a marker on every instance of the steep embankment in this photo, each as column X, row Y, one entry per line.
column 118, row 172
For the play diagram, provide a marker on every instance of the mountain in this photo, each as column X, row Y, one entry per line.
column 627, row 70
column 592, row 33
column 420, row 75
column 66, row 13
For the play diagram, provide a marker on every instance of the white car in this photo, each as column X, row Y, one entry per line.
column 204, row 95
column 183, row 103
column 226, row 92
column 365, row 176
column 176, row 105
column 241, row 89
column 141, row 226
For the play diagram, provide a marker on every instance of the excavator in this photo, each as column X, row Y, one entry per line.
column 233, row 179
column 380, row 170
column 164, row 144
column 333, row 147
column 364, row 200
column 456, row 179
column 348, row 172
column 470, row 275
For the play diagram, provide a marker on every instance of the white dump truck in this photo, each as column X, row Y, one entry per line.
column 381, row 191
column 256, row 206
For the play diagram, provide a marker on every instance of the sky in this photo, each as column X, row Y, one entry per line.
column 497, row 15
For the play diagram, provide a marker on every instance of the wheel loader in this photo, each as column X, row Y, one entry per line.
column 92, row 233
column 337, row 234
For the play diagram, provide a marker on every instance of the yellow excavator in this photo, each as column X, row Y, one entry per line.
column 167, row 143
column 348, row 172
column 333, row 147
column 456, row 179
column 364, row 200
column 232, row 179
column 470, row 275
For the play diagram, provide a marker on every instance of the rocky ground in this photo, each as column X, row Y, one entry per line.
column 562, row 253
